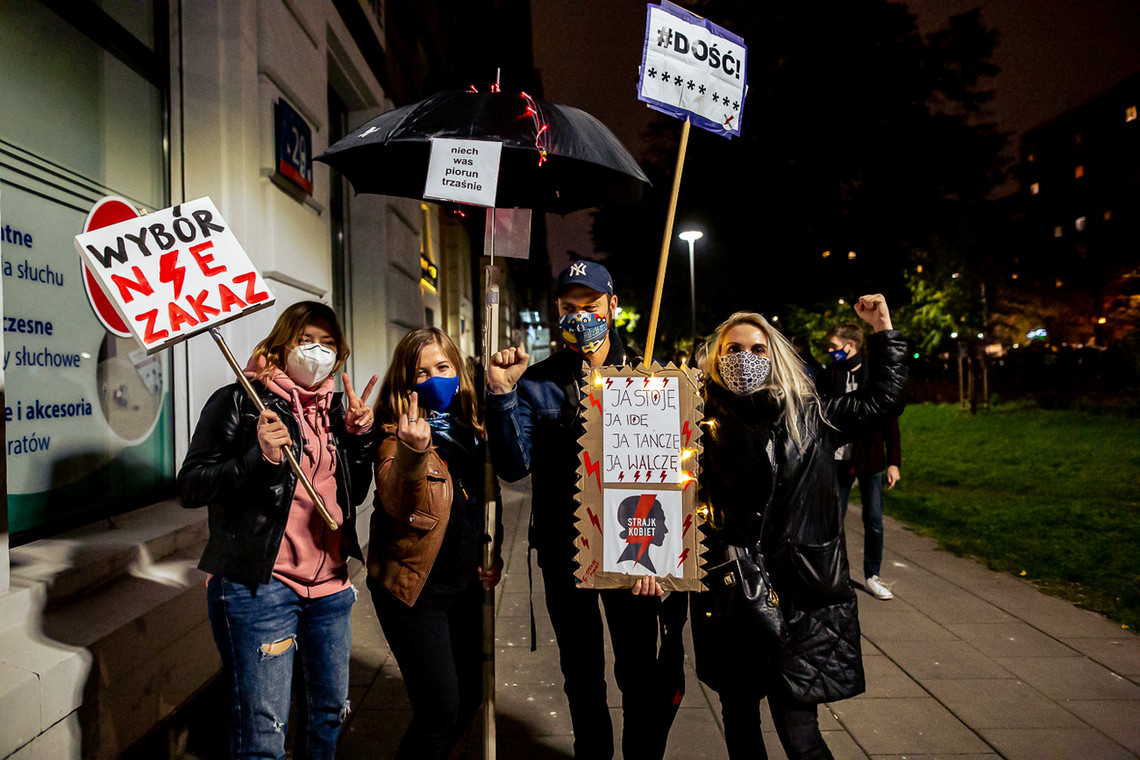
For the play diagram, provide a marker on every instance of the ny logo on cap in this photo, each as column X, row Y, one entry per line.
column 578, row 270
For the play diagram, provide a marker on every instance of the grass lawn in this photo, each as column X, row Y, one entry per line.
column 1053, row 495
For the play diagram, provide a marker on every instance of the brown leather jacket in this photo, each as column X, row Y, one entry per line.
column 415, row 490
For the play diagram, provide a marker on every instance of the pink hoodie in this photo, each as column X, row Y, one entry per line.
column 310, row 560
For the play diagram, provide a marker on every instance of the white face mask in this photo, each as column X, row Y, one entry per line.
column 744, row 372
column 309, row 364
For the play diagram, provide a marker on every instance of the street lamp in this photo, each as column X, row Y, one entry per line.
column 690, row 237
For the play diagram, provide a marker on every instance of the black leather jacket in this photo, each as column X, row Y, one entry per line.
column 247, row 496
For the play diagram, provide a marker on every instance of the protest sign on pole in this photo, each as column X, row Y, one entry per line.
column 463, row 171
column 637, row 479
column 696, row 71
column 175, row 273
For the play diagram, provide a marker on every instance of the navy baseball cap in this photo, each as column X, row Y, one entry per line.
column 589, row 273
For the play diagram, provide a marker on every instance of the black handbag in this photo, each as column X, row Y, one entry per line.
column 742, row 598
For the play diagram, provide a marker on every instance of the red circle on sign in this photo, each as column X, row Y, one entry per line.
column 105, row 212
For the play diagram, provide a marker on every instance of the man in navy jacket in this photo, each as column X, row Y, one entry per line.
column 534, row 423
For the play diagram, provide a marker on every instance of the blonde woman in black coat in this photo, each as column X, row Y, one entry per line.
column 768, row 477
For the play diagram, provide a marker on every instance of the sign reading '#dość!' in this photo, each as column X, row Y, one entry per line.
column 174, row 273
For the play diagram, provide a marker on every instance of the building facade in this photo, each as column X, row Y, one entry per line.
column 103, row 628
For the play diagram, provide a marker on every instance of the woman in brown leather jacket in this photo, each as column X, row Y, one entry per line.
column 427, row 538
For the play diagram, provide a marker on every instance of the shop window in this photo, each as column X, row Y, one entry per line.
column 89, row 431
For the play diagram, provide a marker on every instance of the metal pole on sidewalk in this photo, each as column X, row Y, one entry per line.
column 490, row 510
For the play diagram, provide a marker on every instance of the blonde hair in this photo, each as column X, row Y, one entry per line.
column 788, row 381
column 288, row 329
column 400, row 380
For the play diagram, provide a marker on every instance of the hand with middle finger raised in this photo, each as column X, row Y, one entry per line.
column 272, row 436
column 413, row 429
column 358, row 417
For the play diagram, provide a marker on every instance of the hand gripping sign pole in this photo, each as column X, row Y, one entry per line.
column 173, row 274
column 318, row 502
column 694, row 70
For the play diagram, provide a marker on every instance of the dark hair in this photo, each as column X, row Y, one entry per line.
column 288, row 330
column 400, row 379
column 848, row 331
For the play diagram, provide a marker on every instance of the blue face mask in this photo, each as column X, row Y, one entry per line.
column 838, row 355
column 437, row 393
column 584, row 331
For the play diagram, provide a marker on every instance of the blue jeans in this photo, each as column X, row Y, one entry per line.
column 871, row 489
column 257, row 631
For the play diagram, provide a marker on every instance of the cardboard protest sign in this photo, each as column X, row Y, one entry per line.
column 692, row 68
column 463, row 171
column 173, row 273
column 637, row 478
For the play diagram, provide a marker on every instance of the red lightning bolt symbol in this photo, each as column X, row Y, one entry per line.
column 592, row 468
column 621, row 476
column 595, row 402
column 688, row 483
column 636, row 475
column 628, row 382
column 609, row 382
column 683, row 555
column 644, row 504
column 594, row 519
column 662, row 476
column 168, row 272
column 687, row 431
column 646, row 383
column 688, row 524
column 586, row 542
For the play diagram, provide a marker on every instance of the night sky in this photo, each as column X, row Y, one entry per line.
column 1053, row 55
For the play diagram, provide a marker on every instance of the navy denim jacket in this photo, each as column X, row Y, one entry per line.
column 534, row 430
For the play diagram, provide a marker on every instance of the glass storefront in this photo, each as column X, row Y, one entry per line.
column 89, row 429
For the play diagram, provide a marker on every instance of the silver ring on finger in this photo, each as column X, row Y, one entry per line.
column 412, row 419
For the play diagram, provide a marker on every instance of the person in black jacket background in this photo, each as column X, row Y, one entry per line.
column 278, row 586
column 867, row 459
column 769, row 480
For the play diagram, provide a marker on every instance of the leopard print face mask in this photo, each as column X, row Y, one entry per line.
column 744, row 372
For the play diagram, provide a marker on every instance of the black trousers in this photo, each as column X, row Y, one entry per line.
column 648, row 664
column 439, row 650
column 740, row 671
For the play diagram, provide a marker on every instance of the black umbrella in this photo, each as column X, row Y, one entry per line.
column 555, row 158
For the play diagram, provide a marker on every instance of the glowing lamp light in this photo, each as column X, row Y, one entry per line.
column 687, row 454
column 686, row 477
column 841, row 302
column 1037, row 334
column 1101, row 321
column 691, row 235
column 953, row 335
column 851, row 255
column 597, row 378
column 915, row 354
column 954, row 276
column 826, row 254
column 979, row 336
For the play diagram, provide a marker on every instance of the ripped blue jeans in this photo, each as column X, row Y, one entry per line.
column 260, row 633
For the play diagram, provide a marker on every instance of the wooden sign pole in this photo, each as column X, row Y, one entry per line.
column 656, row 310
column 318, row 502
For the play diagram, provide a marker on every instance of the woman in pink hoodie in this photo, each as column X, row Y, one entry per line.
column 278, row 588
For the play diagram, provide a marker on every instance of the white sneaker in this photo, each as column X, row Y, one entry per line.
column 874, row 586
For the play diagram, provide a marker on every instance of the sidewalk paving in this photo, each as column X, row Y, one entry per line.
column 964, row 662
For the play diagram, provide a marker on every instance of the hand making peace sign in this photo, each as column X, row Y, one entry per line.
column 413, row 429
column 359, row 415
